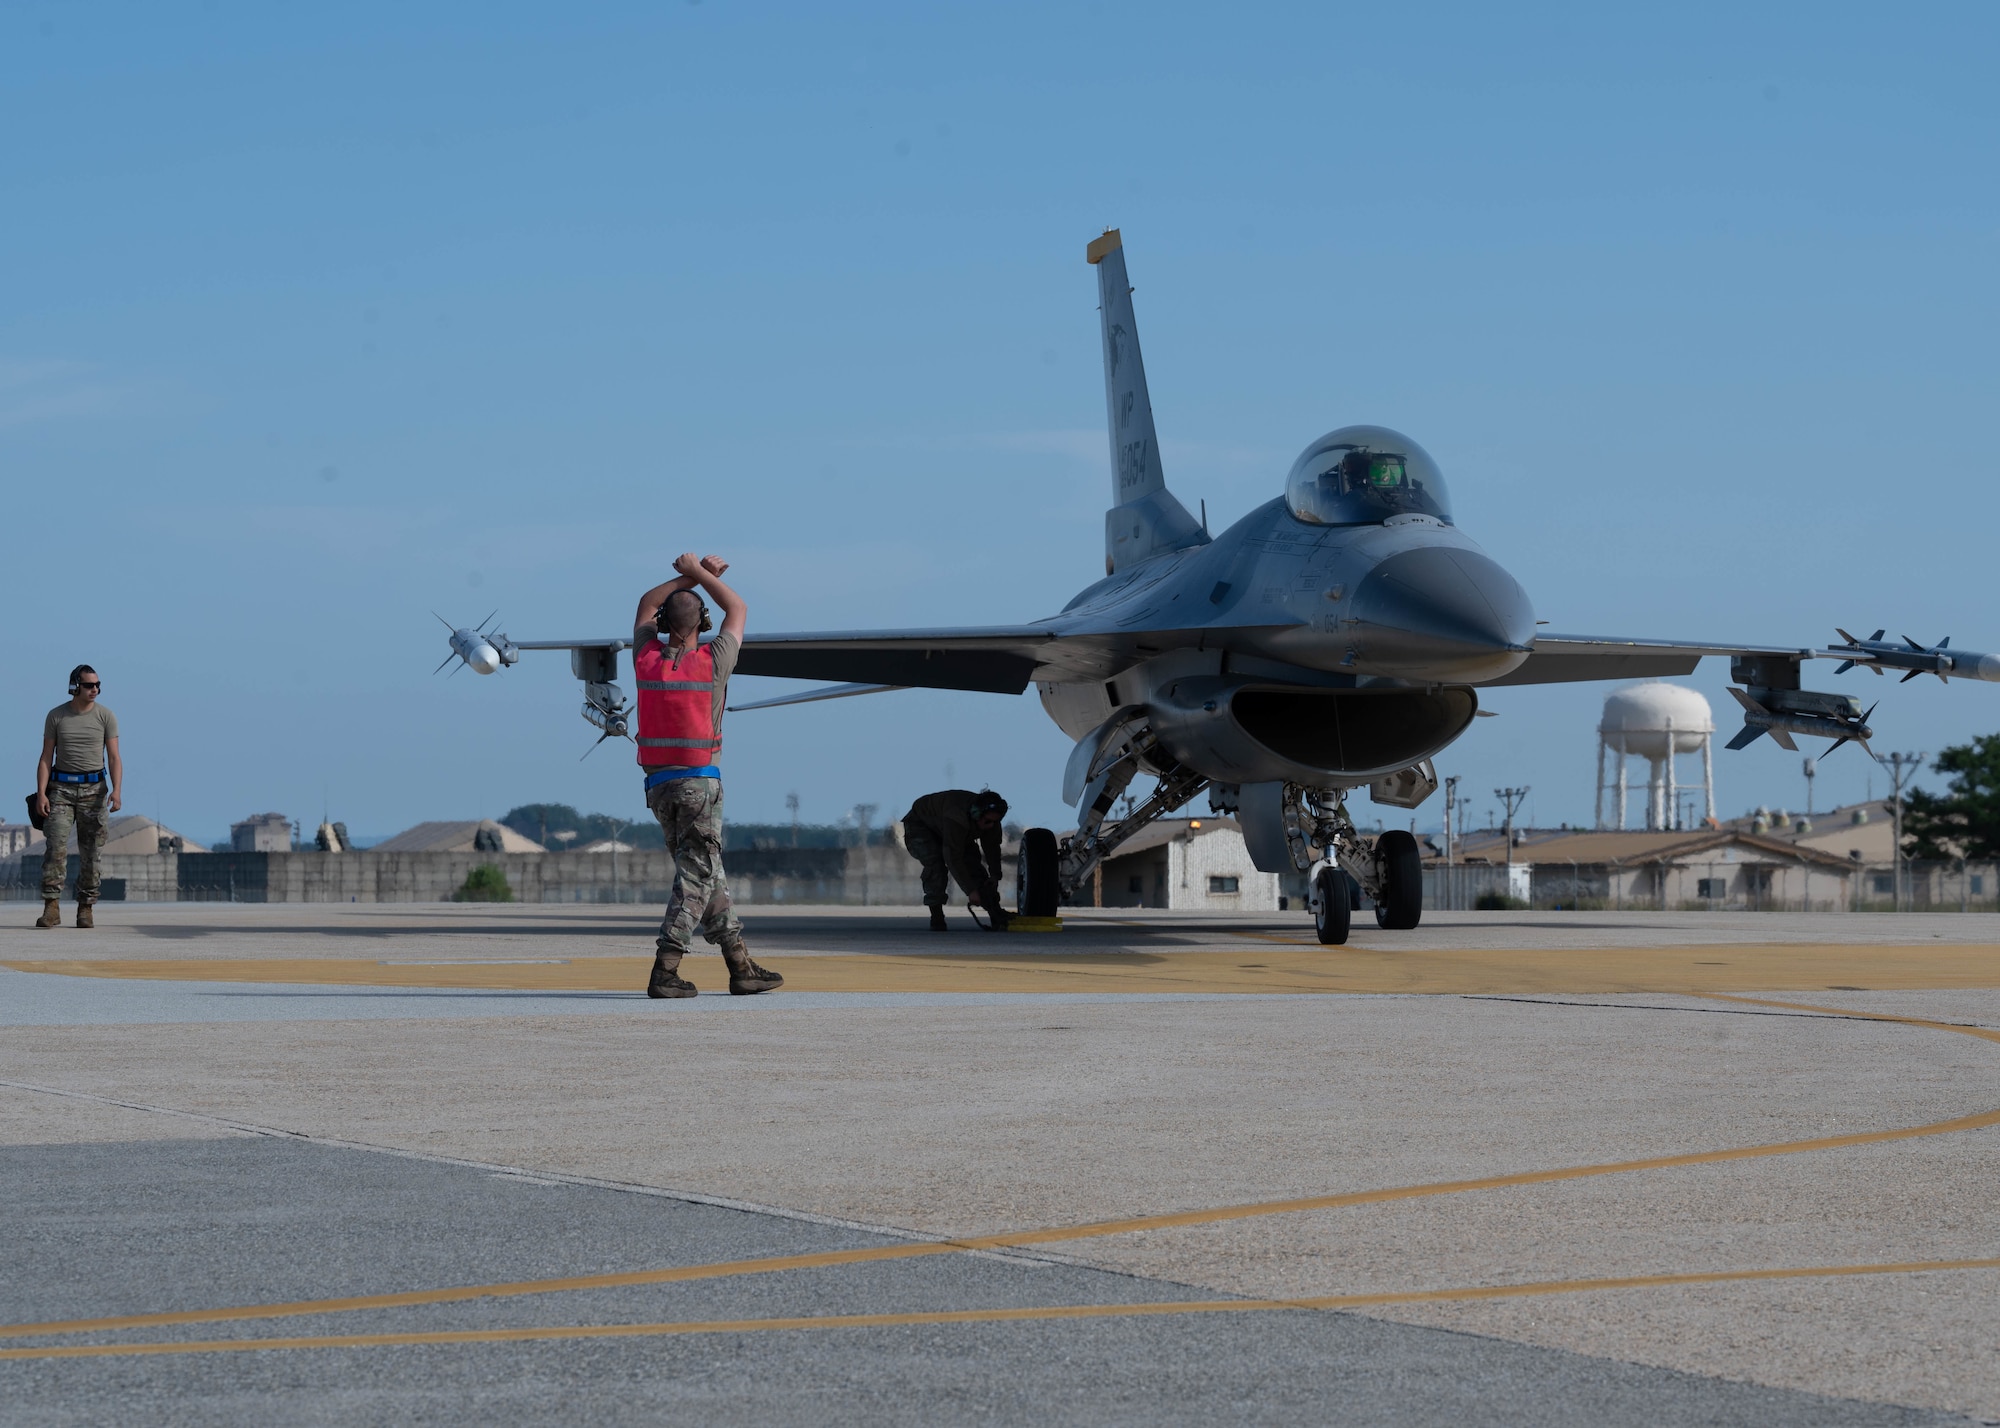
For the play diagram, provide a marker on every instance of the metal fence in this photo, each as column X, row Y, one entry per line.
column 1946, row 885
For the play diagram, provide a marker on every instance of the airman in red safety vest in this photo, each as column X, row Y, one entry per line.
column 683, row 683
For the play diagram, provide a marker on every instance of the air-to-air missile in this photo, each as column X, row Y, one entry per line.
column 1782, row 713
column 1879, row 654
column 477, row 649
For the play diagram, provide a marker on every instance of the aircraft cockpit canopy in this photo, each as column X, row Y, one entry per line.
column 1362, row 475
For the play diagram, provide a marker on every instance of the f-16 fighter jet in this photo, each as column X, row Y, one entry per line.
column 1335, row 638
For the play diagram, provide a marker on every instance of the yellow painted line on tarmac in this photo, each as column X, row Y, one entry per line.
column 1015, row 1239
column 1984, row 1033
column 985, row 1316
column 1277, row 964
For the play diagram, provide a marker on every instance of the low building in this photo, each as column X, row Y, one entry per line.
column 1859, row 832
column 1191, row 863
column 261, row 833
column 472, row 835
column 1709, row 868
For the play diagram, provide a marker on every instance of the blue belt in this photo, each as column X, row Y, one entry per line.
column 60, row 777
column 668, row 775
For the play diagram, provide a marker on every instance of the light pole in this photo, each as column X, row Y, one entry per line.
column 616, row 834
column 1902, row 768
column 864, row 814
column 1512, row 798
column 1450, row 804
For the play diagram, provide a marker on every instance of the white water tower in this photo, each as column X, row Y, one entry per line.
column 1657, row 722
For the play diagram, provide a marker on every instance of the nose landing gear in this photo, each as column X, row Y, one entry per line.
column 1332, row 905
column 1341, row 865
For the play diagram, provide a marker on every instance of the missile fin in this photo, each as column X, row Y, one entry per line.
column 1910, row 676
column 1747, row 702
column 1745, row 737
column 1914, row 645
column 1845, row 636
column 1784, row 741
column 1844, row 666
column 1836, row 746
column 447, row 660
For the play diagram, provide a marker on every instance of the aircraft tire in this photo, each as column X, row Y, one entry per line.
column 1402, row 905
column 1040, row 890
column 1334, row 916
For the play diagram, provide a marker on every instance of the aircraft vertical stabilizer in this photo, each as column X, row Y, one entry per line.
column 1145, row 519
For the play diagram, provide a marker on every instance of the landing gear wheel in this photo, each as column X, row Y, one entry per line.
column 1333, row 916
column 1038, row 892
column 1402, row 866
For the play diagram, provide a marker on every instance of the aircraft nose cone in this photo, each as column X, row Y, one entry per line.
column 1445, row 610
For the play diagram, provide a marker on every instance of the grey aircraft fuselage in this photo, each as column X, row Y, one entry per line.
column 1324, row 655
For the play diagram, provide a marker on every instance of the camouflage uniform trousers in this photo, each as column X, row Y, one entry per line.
column 690, row 813
column 927, row 848
column 80, row 806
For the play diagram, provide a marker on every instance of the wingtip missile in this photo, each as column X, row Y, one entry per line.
column 1912, row 657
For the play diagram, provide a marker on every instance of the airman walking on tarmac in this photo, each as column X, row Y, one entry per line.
column 79, row 780
column 955, row 833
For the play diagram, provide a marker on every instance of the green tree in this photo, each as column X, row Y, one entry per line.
column 1963, row 822
column 542, row 821
column 485, row 883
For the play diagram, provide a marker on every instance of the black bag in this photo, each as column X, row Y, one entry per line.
column 35, row 820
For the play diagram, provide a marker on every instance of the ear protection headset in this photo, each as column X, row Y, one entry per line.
column 702, row 626
column 76, row 677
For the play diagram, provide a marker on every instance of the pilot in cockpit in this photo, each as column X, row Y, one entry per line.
column 1362, row 475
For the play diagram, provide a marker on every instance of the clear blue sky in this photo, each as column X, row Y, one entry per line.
column 320, row 318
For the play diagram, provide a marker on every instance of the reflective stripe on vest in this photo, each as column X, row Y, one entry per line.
column 676, row 714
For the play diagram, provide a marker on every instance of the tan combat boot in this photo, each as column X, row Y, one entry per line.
column 746, row 978
column 83, row 915
column 51, row 914
column 667, row 982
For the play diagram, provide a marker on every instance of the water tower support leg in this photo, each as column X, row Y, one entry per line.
column 1673, row 786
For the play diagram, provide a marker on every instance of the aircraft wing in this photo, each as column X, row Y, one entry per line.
column 993, row 659
column 989, row 659
column 1559, row 659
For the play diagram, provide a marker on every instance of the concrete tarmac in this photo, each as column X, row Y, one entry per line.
column 1510, row 1194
